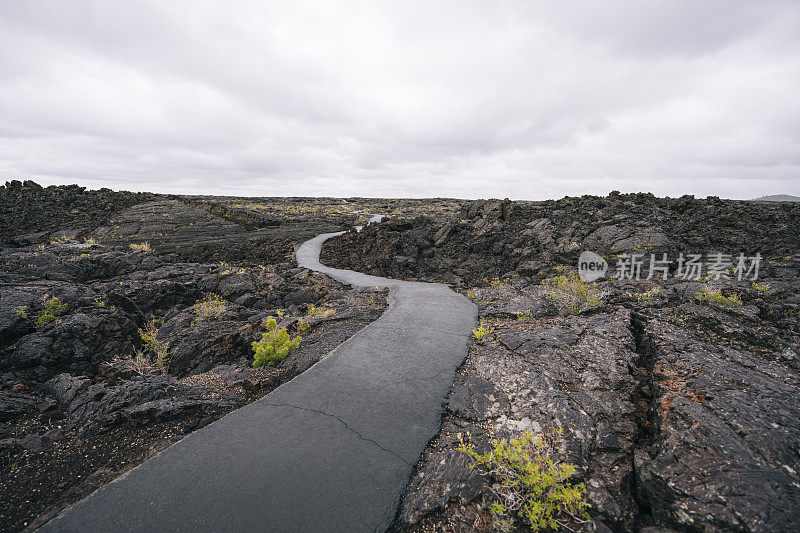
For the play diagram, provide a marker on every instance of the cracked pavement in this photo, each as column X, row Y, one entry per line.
column 331, row 450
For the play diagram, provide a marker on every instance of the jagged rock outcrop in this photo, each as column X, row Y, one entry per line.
column 490, row 238
column 74, row 413
column 680, row 415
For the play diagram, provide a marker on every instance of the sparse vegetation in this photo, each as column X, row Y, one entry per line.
column 141, row 247
column 712, row 295
column 571, row 294
column 496, row 281
column 761, row 287
column 21, row 311
column 303, row 326
column 160, row 349
column 153, row 359
column 313, row 310
column 62, row 239
column 99, row 302
column 372, row 299
column 524, row 315
column 211, row 306
column 529, row 483
column 274, row 346
column 647, row 296
column 51, row 309
column 481, row 331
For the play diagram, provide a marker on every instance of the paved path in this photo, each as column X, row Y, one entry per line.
column 331, row 450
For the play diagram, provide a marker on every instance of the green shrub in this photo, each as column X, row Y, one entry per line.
column 62, row 239
column 212, row 306
column 303, row 326
column 140, row 362
column 380, row 301
column 496, row 281
column 159, row 349
column 493, row 282
column 712, row 295
column 569, row 293
column 51, row 309
column 313, row 310
column 481, row 331
column 647, row 296
column 143, row 247
column 153, row 359
column 528, row 483
column 761, row 287
column 274, row 346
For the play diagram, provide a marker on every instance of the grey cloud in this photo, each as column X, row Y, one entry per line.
column 518, row 99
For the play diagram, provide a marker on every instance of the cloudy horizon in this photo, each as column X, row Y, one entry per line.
column 518, row 99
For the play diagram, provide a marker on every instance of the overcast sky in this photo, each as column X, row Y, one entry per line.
column 527, row 100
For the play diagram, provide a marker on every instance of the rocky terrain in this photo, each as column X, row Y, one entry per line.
column 83, row 274
column 681, row 413
column 489, row 238
column 679, row 410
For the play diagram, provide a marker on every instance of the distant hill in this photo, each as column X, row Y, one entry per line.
column 777, row 198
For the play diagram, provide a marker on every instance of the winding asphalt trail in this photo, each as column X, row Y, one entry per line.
column 331, row 450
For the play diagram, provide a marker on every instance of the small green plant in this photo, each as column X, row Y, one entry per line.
column 62, row 239
column 481, row 331
column 212, row 306
column 274, row 346
column 761, row 287
column 471, row 294
column 142, row 247
column 140, row 362
column 712, row 295
column 153, row 359
column 495, row 281
column 529, row 483
column 159, row 349
column 99, row 302
column 313, row 310
column 647, row 296
column 281, row 314
column 90, row 240
column 51, row 309
column 302, row 326
column 373, row 300
column 571, row 294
